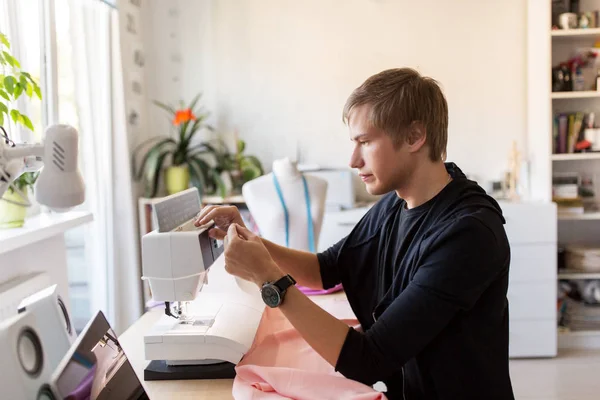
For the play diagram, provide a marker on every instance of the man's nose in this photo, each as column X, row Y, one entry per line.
column 356, row 160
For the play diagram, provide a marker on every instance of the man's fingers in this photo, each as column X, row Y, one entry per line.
column 211, row 215
column 217, row 233
column 245, row 233
column 202, row 215
column 232, row 233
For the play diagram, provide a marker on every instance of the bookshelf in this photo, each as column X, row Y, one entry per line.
column 578, row 275
column 573, row 228
column 576, row 156
column 583, row 94
column 575, row 217
column 575, row 32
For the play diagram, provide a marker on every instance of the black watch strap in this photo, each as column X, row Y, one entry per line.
column 284, row 283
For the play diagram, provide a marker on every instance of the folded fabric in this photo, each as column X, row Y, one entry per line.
column 312, row 292
column 281, row 365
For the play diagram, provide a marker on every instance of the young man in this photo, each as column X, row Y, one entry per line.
column 425, row 271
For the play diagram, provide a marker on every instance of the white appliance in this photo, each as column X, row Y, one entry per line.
column 212, row 321
column 340, row 188
column 337, row 224
column 32, row 344
column 13, row 291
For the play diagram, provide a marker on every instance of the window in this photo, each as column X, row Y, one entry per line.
column 46, row 40
column 21, row 22
column 67, row 106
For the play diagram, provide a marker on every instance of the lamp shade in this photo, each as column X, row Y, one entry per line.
column 60, row 185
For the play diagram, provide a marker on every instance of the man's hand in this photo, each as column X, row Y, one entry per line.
column 223, row 216
column 302, row 265
column 247, row 257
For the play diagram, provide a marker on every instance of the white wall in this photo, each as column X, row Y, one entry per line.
column 280, row 71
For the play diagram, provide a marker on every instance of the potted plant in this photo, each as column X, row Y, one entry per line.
column 13, row 205
column 185, row 160
column 240, row 167
column 14, row 83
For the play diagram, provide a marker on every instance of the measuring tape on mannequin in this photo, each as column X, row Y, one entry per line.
column 249, row 287
column 311, row 231
column 286, row 215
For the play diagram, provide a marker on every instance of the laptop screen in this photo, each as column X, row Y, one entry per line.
column 96, row 367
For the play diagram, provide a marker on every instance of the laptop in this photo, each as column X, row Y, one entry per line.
column 96, row 367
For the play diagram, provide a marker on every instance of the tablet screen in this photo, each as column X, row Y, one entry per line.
column 97, row 368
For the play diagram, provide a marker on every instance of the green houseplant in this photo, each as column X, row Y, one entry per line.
column 240, row 167
column 14, row 83
column 185, row 160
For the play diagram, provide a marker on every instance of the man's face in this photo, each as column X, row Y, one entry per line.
column 382, row 166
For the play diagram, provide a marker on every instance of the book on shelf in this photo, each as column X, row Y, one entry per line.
column 578, row 305
column 568, row 131
column 578, row 316
column 566, row 207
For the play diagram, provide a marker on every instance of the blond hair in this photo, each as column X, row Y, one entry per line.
column 400, row 96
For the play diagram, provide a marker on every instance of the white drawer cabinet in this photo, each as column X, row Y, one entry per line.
column 530, row 262
column 532, row 301
column 531, row 231
column 337, row 225
column 530, row 222
column 532, row 338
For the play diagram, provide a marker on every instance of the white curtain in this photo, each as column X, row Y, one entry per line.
column 111, row 242
column 20, row 20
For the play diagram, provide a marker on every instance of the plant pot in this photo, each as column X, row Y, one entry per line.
column 12, row 215
column 177, row 178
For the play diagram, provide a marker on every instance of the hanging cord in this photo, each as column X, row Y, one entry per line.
column 12, row 186
column 7, row 138
column 4, row 176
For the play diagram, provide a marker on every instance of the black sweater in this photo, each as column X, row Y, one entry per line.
column 428, row 286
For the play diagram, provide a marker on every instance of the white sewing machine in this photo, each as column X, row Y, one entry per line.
column 207, row 327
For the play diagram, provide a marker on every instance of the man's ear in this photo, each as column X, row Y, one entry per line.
column 416, row 136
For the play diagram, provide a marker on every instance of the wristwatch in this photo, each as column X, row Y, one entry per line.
column 273, row 292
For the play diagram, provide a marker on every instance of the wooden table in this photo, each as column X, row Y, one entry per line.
column 132, row 342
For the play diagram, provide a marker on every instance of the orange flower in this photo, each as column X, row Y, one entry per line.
column 183, row 116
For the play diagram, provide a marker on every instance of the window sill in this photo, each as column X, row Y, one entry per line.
column 40, row 227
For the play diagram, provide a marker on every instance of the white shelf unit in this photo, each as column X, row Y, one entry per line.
column 578, row 275
column 584, row 94
column 572, row 228
column 589, row 216
column 575, row 32
column 576, row 157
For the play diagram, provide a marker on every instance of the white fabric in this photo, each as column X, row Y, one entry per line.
column 111, row 242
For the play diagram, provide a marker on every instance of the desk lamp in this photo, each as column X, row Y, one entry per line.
column 60, row 185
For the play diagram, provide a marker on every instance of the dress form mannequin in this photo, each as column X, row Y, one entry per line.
column 265, row 206
column 263, row 201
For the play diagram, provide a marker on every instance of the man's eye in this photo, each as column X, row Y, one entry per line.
column 364, row 143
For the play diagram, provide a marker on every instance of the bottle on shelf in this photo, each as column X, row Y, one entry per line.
column 578, row 81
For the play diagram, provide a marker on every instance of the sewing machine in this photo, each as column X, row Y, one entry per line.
column 207, row 328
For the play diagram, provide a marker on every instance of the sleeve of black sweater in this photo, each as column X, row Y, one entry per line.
column 454, row 273
column 328, row 263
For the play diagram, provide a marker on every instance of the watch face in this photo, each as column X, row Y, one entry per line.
column 271, row 296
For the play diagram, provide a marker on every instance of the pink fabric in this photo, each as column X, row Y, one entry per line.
column 312, row 292
column 281, row 365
